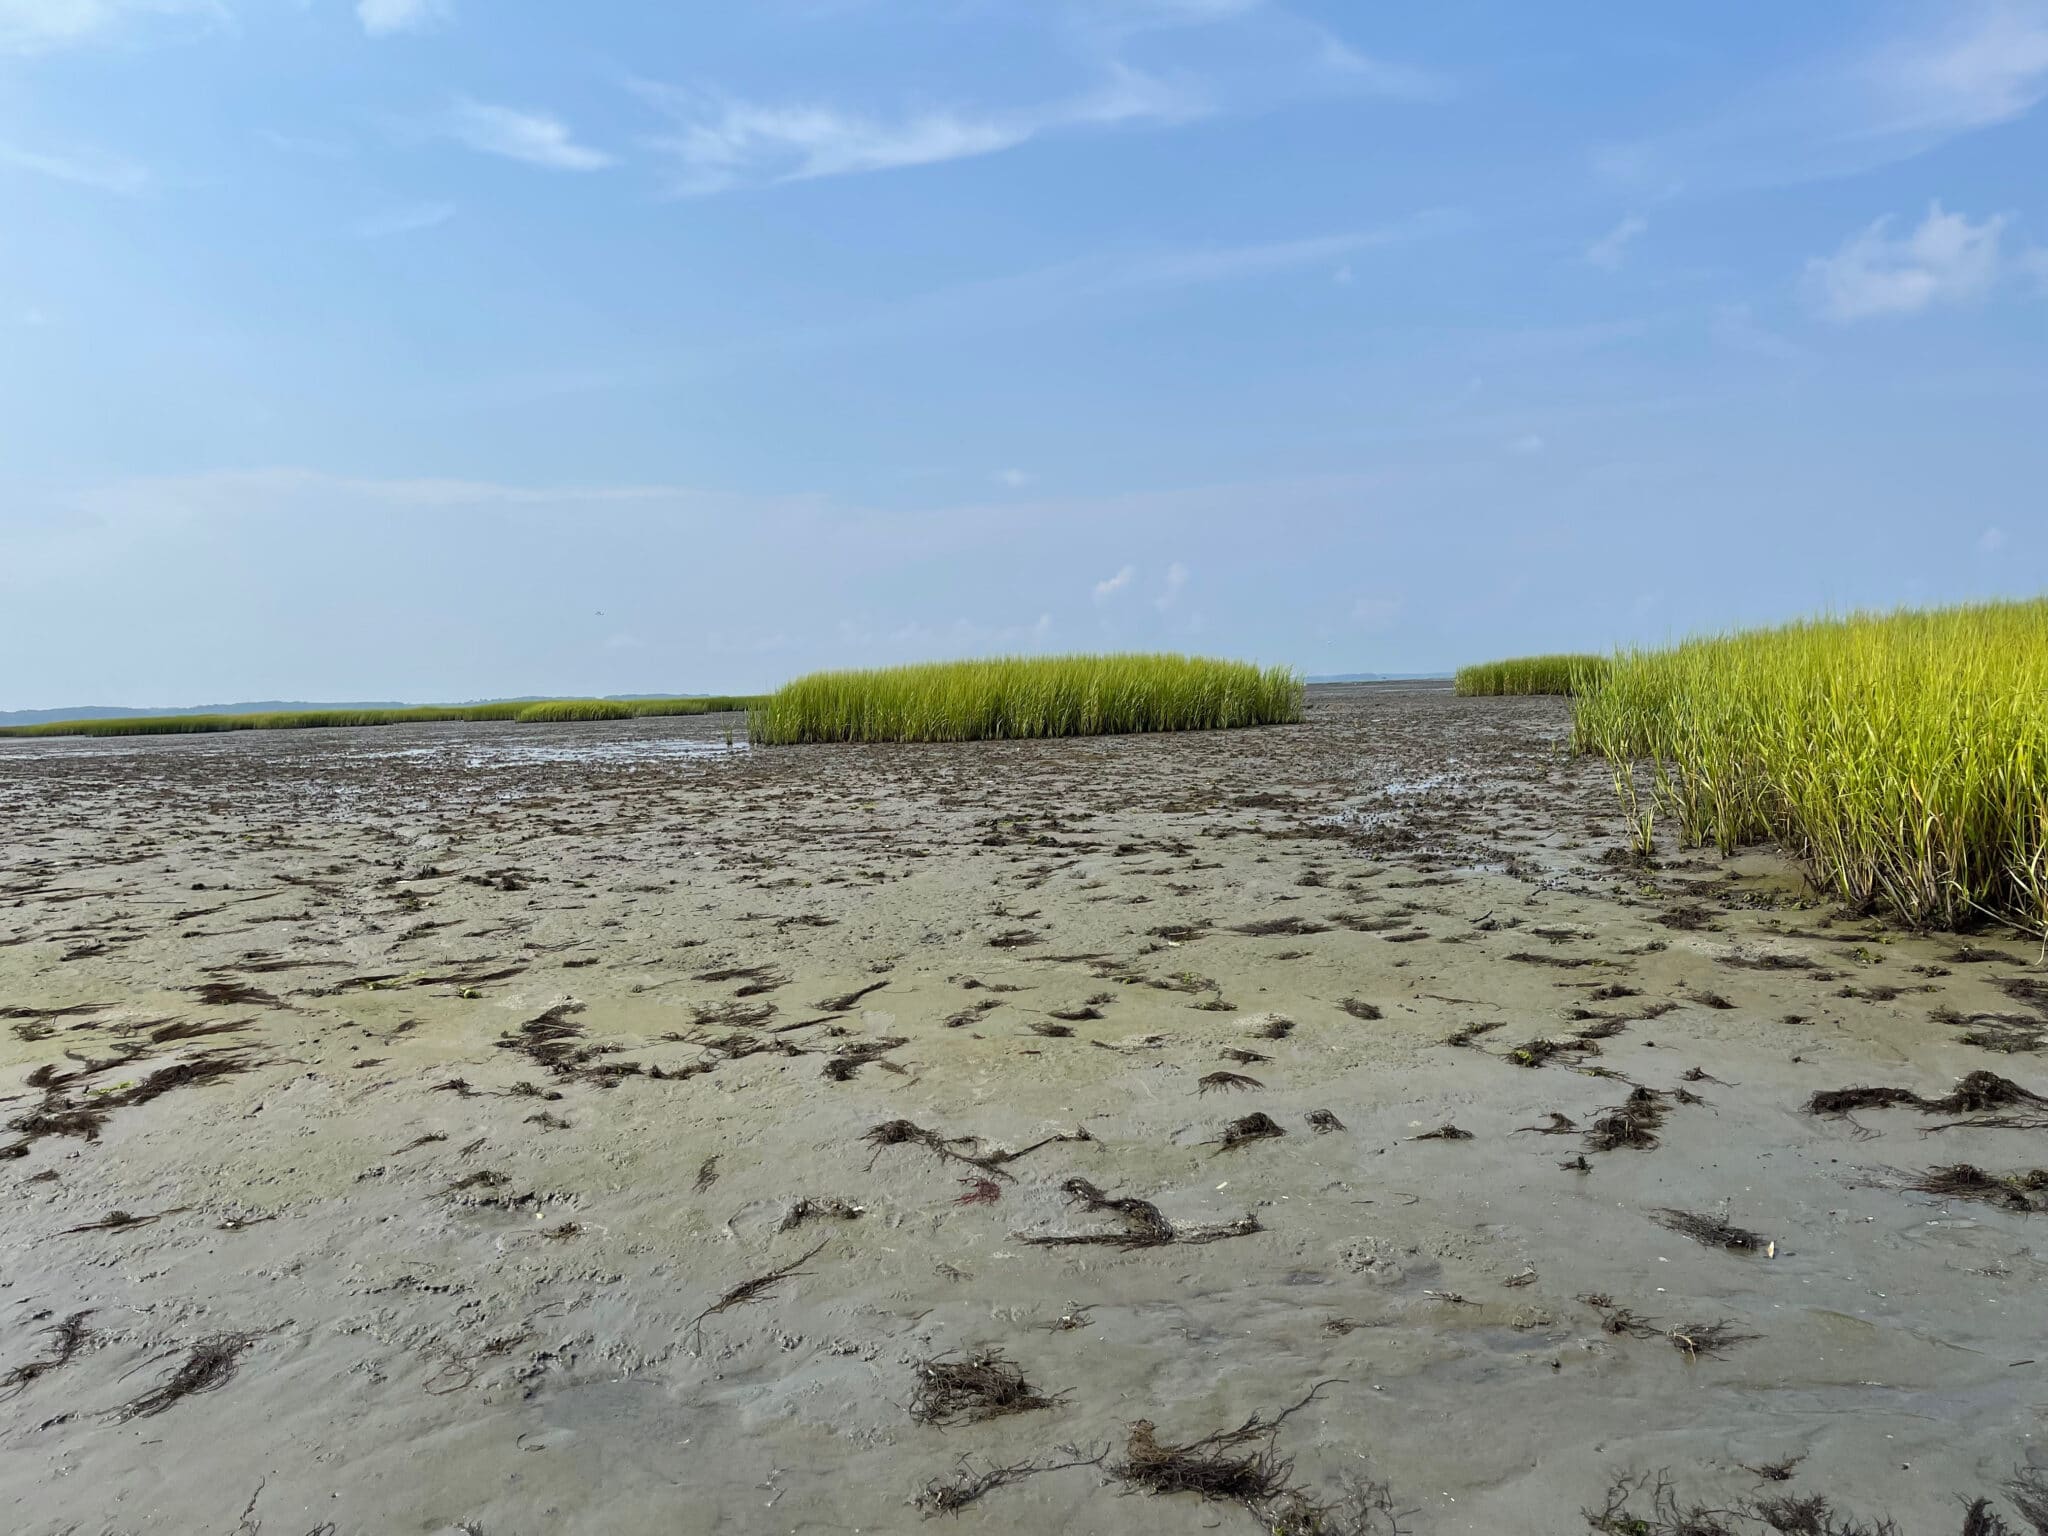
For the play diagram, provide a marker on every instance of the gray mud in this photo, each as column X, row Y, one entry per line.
column 536, row 1179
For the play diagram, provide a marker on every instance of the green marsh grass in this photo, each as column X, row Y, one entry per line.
column 1028, row 697
column 1904, row 755
column 1531, row 674
column 318, row 719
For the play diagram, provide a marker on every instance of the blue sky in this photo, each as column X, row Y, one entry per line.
column 446, row 348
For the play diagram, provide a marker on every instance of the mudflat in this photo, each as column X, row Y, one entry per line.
column 606, row 1128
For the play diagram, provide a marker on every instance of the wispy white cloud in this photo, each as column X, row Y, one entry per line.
column 44, row 26
column 1611, row 249
column 535, row 138
column 382, row 18
column 1376, row 76
column 407, row 220
column 1983, row 63
column 722, row 142
column 1949, row 70
column 1527, row 444
column 722, row 139
column 1991, row 541
column 743, row 142
column 1109, row 586
column 1312, row 48
column 101, row 172
column 1013, row 479
column 1946, row 260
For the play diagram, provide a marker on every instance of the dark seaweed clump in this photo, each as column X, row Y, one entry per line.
column 897, row 1133
column 1242, row 1466
column 551, row 1042
column 2026, row 1191
column 1634, row 1123
column 209, row 1366
column 972, row 1388
column 1649, row 1505
column 60, row 1113
column 749, row 1291
column 1712, row 1231
column 1139, row 1223
column 1246, row 1129
column 66, row 1340
column 1228, row 1080
column 1978, row 1092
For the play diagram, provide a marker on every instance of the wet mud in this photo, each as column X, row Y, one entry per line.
column 1334, row 1128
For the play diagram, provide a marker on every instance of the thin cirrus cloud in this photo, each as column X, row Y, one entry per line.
column 45, row 26
column 1946, row 259
column 1311, row 49
column 1611, row 249
column 1987, row 65
column 386, row 18
column 720, row 142
column 1972, row 66
column 99, row 172
column 533, row 138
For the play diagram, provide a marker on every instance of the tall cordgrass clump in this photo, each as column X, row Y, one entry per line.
column 322, row 719
column 1531, row 674
column 1028, row 696
column 1904, row 755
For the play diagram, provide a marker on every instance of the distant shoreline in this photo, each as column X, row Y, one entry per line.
column 287, row 706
